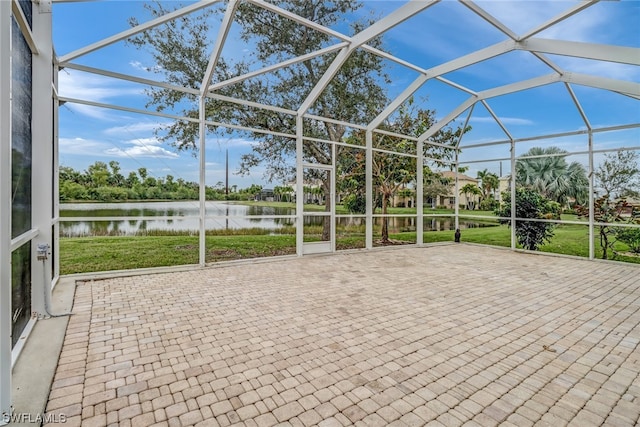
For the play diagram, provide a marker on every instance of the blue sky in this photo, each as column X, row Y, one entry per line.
column 441, row 33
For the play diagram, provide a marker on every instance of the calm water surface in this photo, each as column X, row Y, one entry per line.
column 183, row 217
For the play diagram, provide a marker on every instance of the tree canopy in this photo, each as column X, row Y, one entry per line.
column 547, row 172
column 393, row 172
column 618, row 175
column 354, row 95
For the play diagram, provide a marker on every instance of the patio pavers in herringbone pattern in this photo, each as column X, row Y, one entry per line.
column 443, row 335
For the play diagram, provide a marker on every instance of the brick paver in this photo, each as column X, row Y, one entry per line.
column 442, row 335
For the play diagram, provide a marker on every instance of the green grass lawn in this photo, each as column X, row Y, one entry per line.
column 88, row 254
column 167, row 248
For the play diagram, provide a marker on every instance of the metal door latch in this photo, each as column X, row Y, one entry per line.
column 43, row 251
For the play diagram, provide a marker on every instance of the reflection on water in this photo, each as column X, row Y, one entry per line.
column 230, row 218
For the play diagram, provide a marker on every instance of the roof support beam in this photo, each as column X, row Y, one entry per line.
column 564, row 15
column 227, row 20
column 497, row 119
column 472, row 58
column 463, row 61
column 394, row 18
column 578, row 106
column 448, row 119
column 278, row 66
column 623, row 87
column 490, row 19
column 128, row 78
column 519, row 86
column 395, row 104
column 137, row 29
column 225, row 26
column 598, row 52
column 300, row 20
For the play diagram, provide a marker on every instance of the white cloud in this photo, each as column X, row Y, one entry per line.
column 142, row 147
column 75, row 84
column 137, row 65
column 87, row 87
column 81, row 146
column 505, row 120
column 142, row 151
column 135, row 127
column 89, row 111
column 230, row 142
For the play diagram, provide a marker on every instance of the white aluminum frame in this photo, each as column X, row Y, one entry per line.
column 5, row 211
column 42, row 156
column 345, row 45
column 45, row 203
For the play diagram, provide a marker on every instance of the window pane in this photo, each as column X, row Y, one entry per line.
column 20, row 290
column 27, row 9
column 20, row 134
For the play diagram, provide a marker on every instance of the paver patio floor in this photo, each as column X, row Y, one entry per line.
column 443, row 335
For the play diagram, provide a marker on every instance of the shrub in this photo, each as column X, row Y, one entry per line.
column 355, row 203
column 489, row 204
column 532, row 205
column 630, row 236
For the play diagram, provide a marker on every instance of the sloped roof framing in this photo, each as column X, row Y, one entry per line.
column 345, row 45
column 526, row 42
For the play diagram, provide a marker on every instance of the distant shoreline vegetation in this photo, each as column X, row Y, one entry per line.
column 102, row 182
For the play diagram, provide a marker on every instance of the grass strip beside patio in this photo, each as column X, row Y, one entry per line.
column 90, row 254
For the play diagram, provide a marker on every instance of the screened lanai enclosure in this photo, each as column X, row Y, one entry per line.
column 270, row 128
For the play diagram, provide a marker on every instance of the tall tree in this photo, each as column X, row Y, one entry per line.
column 488, row 183
column 98, row 174
column 116, row 178
column 355, row 94
column 547, row 172
column 470, row 190
column 392, row 172
column 619, row 174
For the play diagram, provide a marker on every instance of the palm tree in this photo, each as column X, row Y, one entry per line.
column 489, row 182
column 470, row 190
column 549, row 174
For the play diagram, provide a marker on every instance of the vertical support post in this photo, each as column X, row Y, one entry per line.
column 369, row 190
column 202, row 182
column 5, row 210
column 56, row 178
column 420, row 194
column 513, row 194
column 42, row 155
column 592, row 249
column 299, row 186
column 332, row 190
column 457, row 195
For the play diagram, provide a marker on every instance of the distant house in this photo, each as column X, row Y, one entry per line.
column 504, row 183
column 404, row 198
column 633, row 205
column 449, row 200
column 312, row 192
column 265, row 195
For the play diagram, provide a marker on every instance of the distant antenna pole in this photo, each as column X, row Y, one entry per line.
column 500, row 169
column 226, row 185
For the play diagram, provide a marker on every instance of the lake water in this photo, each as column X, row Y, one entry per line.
column 183, row 216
